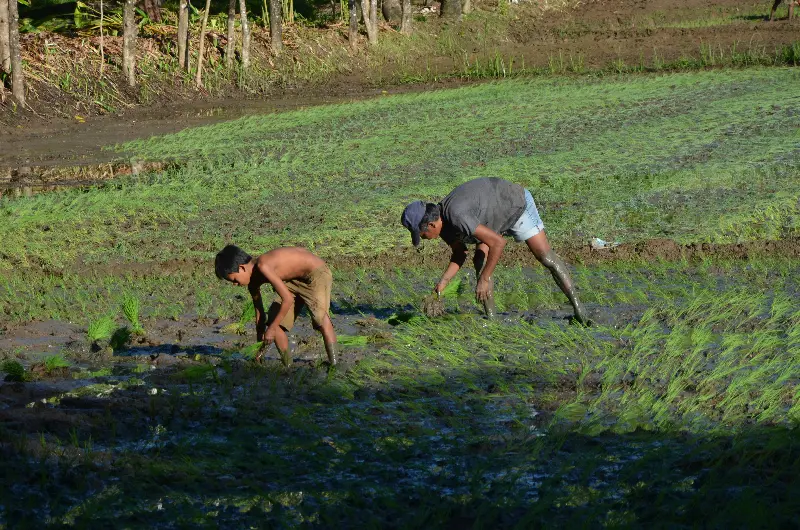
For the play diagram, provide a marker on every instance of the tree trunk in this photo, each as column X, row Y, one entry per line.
column 102, row 43
column 405, row 23
column 392, row 11
column 245, row 34
column 352, row 35
column 198, row 79
column 17, row 75
column 466, row 7
column 129, row 30
column 230, row 46
column 5, row 42
column 373, row 18
column 153, row 9
column 370, row 19
column 275, row 31
column 451, row 9
column 183, row 34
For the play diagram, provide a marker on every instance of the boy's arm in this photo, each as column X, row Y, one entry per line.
column 261, row 316
column 287, row 301
column 456, row 261
column 496, row 243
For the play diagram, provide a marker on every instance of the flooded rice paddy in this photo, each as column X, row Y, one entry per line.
column 684, row 389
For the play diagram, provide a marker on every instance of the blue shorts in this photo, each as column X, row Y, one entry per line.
column 529, row 223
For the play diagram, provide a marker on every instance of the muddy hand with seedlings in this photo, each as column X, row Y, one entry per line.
column 432, row 305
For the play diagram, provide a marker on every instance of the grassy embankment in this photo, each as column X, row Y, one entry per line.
column 495, row 41
column 677, row 407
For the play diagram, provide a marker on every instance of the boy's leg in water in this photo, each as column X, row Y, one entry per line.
column 540, row 247
column 329, row 338
column 481, row 251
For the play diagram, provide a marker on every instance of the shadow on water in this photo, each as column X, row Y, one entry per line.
column 268, row 447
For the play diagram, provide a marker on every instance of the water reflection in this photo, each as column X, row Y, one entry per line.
column 25, row 181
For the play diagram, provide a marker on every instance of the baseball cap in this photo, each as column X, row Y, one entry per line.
column 411, row 218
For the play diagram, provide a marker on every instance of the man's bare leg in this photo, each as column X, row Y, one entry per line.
column 329, row 337
column 774, row 7
column 481, row 251
column 540, row 247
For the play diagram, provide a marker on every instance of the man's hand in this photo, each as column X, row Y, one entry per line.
column 440, row 287
column 484, row 289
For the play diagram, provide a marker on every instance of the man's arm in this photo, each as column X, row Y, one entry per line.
column 457, row 259
column 496, row 243
column 287, row 300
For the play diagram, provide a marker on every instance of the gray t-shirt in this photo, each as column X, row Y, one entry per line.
column 489, row 201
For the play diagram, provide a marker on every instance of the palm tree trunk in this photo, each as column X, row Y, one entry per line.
column 17, row 76
column 129, row 30
column 245, row 34
column 275, row 30
column 373, row 19
column 352, row 35
column 198, row 79
column 229, row 48
column 102, row 44
column 451, row 9
column 183, row 34
column 405, row 20
column 370, row 20
column 5, row 42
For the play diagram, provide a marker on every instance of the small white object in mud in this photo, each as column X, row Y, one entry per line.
column 599, row 244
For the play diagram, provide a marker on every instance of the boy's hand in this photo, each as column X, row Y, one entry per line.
column 484, row 289
column 440, row 287
column 269, row 336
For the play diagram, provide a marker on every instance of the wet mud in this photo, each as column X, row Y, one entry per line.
column 575, row 253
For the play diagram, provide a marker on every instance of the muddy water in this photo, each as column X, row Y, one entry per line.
column 83, row 141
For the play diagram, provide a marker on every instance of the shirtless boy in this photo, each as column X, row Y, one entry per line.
column 299, row 279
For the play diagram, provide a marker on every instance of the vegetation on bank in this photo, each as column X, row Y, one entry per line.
column 67, row 74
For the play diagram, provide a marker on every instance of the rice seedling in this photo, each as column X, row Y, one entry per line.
column 56, row 362
column 100, row 329
column 248, row 315
column 352, row 340
column 14, row 371
column 130, row 308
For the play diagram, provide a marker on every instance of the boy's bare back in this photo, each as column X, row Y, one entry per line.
column 288, row 263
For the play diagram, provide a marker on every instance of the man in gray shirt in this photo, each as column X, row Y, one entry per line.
column 481, row 211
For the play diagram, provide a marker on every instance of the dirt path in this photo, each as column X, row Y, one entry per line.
column 603, row 32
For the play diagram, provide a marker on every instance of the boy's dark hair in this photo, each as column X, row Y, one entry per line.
column 228, row 260
column 432, row 214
